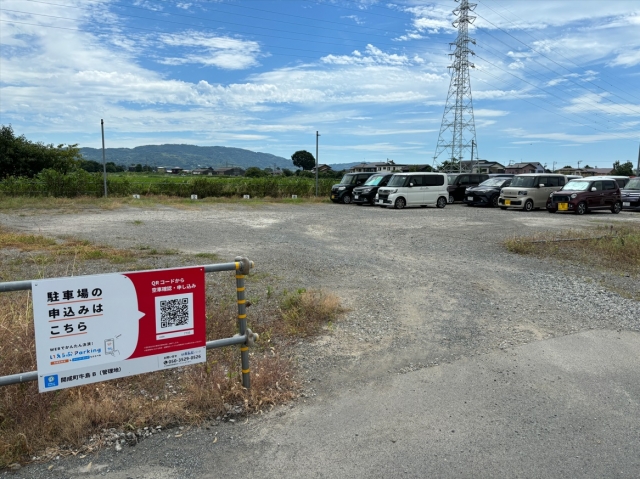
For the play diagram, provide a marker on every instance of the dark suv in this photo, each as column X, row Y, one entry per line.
column 459, row 182
column 631, row 194
column 343, row 191
column 366, row 193
column 487, row 192
column 582, row 195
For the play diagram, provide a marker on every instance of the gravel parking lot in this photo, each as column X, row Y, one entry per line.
column 425, row 287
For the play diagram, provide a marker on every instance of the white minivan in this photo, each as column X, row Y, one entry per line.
column 414, row 189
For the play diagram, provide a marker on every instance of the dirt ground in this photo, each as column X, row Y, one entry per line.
column 432, row 294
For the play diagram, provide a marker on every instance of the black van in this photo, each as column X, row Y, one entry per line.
column 459, row 182
column 343, row 191
column 366, row 193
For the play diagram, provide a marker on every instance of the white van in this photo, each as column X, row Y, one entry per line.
column 530, row 190
column 414, row 189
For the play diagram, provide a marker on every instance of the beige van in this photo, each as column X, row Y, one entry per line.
column 529, row 191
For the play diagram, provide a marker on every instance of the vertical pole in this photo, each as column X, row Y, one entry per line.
column 242, row 320
column 317, row 135
column 104, row 164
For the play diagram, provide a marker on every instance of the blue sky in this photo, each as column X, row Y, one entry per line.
column 554, row 81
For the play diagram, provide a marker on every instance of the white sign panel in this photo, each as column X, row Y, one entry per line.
column 93, row 328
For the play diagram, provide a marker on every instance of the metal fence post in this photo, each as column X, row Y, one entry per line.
column 242, row 267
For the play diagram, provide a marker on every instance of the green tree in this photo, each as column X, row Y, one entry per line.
column 449, row 166
column 254, row 172
column 626, row 169
column 21, row 157
column 303, row 159
column 287, row 172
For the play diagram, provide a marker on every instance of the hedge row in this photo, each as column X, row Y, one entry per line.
column 82, row 183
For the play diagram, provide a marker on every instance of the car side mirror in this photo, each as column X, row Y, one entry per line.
column 410, row 184
column 541, row 185
column 593, row 188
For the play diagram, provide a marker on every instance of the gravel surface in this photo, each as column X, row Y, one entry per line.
column 424, row 287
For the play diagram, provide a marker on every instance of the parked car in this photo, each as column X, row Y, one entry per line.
column 530, row 190
column 630, row 195
column 621, row 180
column 487, row 192
column 414, row 189
column 573, row 177
column 580, row 196
column 366, row 194
column 459, row 182
column 507, row 175
column 343, row 191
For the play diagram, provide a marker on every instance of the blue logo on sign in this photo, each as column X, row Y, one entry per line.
column 51, row 381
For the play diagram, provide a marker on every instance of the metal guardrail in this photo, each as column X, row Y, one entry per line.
column 244, row 338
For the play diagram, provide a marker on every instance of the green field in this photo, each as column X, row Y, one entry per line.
column 81, row 183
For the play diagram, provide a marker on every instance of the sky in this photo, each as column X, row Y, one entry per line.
column 553, row 81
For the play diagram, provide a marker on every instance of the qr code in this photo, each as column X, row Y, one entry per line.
column 174, row 312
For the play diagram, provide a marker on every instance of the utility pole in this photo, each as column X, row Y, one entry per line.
column 554, row 167
column 317, row 136
column 579, row 161
column 458, row 130
column 104, row 164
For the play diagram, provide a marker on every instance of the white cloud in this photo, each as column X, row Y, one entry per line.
column 222, row 52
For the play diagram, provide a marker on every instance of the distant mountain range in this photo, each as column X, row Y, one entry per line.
column 187, row 156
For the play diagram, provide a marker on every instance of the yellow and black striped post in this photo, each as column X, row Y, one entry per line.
column 243, row 265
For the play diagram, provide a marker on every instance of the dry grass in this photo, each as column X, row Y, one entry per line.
column 59, row 422
column 614, row 247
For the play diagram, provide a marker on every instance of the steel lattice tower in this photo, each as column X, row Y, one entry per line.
column 458, row 129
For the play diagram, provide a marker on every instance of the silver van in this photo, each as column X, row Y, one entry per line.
column 414, row 189
column 530, row 190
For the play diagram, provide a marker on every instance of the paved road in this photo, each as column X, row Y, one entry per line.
column 457, row 359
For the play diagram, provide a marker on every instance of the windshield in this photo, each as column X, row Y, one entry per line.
column 634, row 184
column 576, row 185
column 397, row 180
column 348, row 180
column 498, row 182
column 451, row 178
column 374, row 180
column 524, row 181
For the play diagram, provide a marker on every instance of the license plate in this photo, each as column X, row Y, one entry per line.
column 333, row 197
column 626, row 203
column 563, row 206
column 470, row 198
column 507, row 202
column 355, row 197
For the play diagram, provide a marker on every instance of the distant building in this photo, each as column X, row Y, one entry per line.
column 203, row 171
column 161, row 169
column 229, row 171
column 519, row 168
column 321, row 169
column 387, row 166
column 482, row 166
column 596, row 171
column 175, row 170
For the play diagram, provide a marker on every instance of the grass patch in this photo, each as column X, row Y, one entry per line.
column 613, row 247
column 71, row 421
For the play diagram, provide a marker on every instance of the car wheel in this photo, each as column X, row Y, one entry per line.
column 581, row 208
column 400, row 203
column 451, row 200
column 494, row 201
column 503, row 208
column 616, row 208
column 346, row 199
column 442, row 202
column 552, row 210
column 528, row 205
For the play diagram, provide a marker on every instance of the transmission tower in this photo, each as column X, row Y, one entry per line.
column 458, row 129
